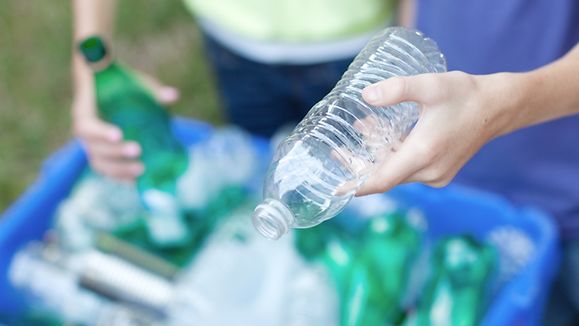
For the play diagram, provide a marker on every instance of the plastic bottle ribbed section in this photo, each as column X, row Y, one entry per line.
column 319, row 167
column 356, row 131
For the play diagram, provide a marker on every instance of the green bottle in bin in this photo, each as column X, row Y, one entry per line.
column 370, row 269
column 312, row 243
column 391, row 246
column 456, row 291
column 363, row 304
column 125, row 102
column 339, row 258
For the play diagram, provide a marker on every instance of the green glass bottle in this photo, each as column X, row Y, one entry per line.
column 338, row 257
column 456, row 290
column 125, row 102
column 312, row 243
column 363, row 302
column 391, row 246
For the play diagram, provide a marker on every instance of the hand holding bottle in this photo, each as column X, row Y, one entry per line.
column 462, row 112
column 107, row 152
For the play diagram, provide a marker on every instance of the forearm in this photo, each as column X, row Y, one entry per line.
column 406, row 13
column 91, row 17
column 545, row 94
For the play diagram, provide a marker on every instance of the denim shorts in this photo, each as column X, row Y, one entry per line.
column 264, row 97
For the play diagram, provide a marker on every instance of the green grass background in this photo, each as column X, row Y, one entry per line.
column 158, row 37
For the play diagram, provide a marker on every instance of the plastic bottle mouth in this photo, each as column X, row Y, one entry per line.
column 272, row 219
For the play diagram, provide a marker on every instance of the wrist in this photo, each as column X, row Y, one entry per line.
column 507, row 96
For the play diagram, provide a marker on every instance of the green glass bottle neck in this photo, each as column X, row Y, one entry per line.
column 102, row 65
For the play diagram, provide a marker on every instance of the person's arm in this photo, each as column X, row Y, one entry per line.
column 406, row 12
column 106, row 151
column 548, row 93
column 90, row 18
column 108, row 154
column 462, row 112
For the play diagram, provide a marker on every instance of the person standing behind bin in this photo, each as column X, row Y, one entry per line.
column 274, row 59
column 538, row 165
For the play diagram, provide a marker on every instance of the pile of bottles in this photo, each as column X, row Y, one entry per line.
column 371, row 265
column 100, row 264
column 388, row 272
column 206, row 191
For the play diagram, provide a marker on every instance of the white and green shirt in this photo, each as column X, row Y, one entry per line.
column 293, row 31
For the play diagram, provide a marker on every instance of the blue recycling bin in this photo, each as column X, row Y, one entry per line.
column 450, row 210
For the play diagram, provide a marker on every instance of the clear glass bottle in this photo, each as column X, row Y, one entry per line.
column 319, row 167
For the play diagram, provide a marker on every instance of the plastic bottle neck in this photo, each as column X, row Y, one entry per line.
column 272, row 219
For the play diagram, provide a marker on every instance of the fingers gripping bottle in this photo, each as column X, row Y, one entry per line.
column 317, row 169
column 123, row 101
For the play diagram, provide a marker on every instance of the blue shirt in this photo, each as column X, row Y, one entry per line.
column 539, row 165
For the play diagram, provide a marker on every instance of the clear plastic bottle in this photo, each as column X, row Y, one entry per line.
column 226, row 159
column 52, row 287
column 96, row 204
column 312, row 300
column 232, row 282
column 55, row 290
column 319, row 167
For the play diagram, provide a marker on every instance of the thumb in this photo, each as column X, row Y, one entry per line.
column 162, row 93
column 419, row 88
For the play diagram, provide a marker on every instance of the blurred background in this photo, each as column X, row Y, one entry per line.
column 157, row 37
